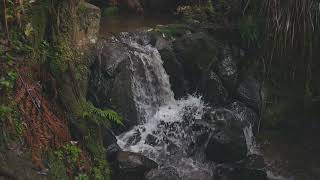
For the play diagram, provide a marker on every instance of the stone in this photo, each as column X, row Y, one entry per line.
column 249, row 91
column 132, row 166
column 213, row 90
column 227, row 69
column 175, row 71
column 226, row 146
column 110, row 83
column 87, row 29
column 245, row 114
column 197, row 53
column 110, row 143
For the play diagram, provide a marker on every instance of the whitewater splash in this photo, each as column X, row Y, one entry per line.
column 164, row 133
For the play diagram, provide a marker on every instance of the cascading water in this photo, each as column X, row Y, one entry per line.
column 150, row 83
column 164, row 133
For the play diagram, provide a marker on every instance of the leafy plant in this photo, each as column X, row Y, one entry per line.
column 82, row 177
column 4, row 111
column 71, row 153
column 7, row 82
column 100, row 115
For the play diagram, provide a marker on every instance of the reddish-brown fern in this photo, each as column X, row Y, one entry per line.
column 44, row 129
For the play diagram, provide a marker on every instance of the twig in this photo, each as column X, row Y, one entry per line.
column 29, row 94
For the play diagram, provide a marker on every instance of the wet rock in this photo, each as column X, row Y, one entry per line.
column 213, row 90
column 151, row 140
column 252, row 161
column 175, row 71
column 245, row 114
column 226, row 146
column 135, row 138
column 132, row 166
column 224, row 118
column 227, row 69
column 197, row 53
column 112, row 150
column 165, row 173
column 248, row 92
column 110, row 82
column 110, row 143
column 239, row 173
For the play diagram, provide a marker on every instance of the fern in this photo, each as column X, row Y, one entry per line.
column 101, row 115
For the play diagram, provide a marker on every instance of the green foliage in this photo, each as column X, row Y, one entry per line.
column 101, row 169
column 57, row 168
column 100, row 116
column 61, row 56
column 82, row 177
column 110, row 11
column 70, row 153
column 5, row 111
column 7, row 83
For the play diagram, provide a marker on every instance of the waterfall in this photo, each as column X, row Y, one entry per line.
column 150, row 83
column 164, row 133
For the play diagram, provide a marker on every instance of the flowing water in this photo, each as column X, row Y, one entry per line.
column 164, row 133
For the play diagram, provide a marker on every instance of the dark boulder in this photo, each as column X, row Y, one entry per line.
column 245, row 114
column 197, row 53
column 110, row 143
column 110, row 82
column 213, row 90
column 239, row 173
column 224, row 118
column 175, row 71
column 132, row 166
column 165, row 173
column 249, row 92
column 226, row 146
column 227, row 68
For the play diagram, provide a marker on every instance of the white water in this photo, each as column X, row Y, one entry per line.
column 162, row 134
column 151, row 87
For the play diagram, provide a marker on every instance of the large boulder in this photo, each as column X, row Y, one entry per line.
column 174, row 68
column 111, row 82
column 227, row 68
column 88, row 25
column 132, row 166
column 213, row 90
column 225, row 146
column 246, row 115
column 109, row 141
column 249, row 92
column 197, row 53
